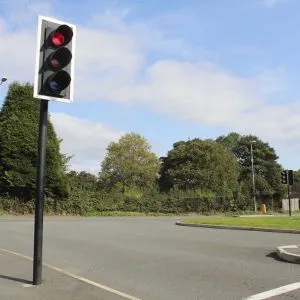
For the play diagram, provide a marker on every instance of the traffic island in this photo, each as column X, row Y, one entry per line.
column 267, row 224
column 290, row 253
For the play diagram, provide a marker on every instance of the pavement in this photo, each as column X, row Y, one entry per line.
column 146, row 258
column 16, row 283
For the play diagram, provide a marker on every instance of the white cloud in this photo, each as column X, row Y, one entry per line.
column 193, row 92
column 104, row 60
column 272, row 81
column 84, row 139
column 20, row 13
column 198, row 92
column 18, row 37
column 16, row 59
column 206, row 94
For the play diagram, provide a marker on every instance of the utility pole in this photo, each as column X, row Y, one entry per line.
column 253, row 177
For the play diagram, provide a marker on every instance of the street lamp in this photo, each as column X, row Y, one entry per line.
column 3, row 79
column 253, row 179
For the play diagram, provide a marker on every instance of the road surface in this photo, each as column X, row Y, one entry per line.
column 151, row 258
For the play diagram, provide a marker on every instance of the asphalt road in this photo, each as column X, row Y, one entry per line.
column 151, row 258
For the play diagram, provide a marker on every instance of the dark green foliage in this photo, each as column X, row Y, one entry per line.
column 202, row 176
column 201, row 165
column 82, row 180
column 19, row 119
column 266, row 168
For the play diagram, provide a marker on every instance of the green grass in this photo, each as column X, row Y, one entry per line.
column 265, row 222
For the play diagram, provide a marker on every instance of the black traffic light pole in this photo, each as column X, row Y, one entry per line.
column 39, row 203
column 53, row 81
column 287, row 178
column 289, row 197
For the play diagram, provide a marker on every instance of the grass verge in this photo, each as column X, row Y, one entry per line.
column 264, row 222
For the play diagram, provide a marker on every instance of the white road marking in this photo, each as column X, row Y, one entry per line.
column 275, row 292
column 90, row 282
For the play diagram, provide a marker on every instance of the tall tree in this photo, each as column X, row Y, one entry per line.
column 199, row 165
column 19, row 119
column 266, row 168
column 129, row 164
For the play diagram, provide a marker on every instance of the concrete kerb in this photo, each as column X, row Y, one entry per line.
column 279, row 230
column 284, row 254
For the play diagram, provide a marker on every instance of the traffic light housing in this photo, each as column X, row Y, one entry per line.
column 284, row 176
column 287, row 177
column 54, row 72
column 290, row 177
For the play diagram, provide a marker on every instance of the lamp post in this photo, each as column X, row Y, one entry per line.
column 3, row 79
column 253, row 177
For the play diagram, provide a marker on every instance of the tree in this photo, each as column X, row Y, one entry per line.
column 129, row 165
column 296, row 186
column 82, row 180
column 266, row 168
column 19, row 119
column 297, row 176
column 202, row 165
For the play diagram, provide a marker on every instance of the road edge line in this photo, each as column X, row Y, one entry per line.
column 82, row 279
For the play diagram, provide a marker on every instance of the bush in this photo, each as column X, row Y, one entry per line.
column 90, row 202
column 16, row 206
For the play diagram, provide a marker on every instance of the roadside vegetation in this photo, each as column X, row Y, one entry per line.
column 200, row 176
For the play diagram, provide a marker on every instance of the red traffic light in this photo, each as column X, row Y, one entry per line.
column 57, row 39
column 61, row 36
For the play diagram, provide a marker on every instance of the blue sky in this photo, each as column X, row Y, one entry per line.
column 169, row 70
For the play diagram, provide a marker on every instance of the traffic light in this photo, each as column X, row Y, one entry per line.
column 290, row 177
column 284, row 177
column 54, row 72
